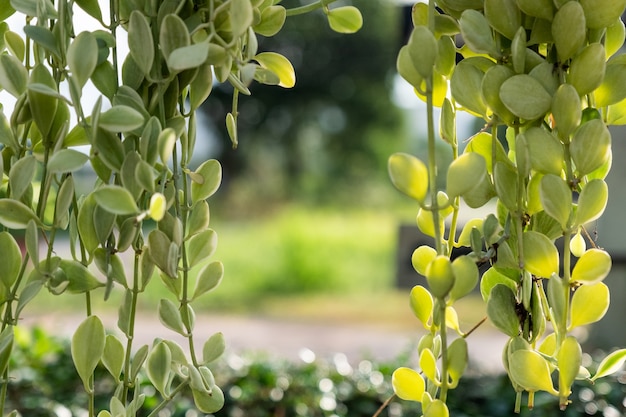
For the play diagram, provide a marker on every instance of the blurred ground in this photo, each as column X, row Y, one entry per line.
column 292, row 339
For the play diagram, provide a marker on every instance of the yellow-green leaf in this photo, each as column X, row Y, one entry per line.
column 280, row 66
column 408, row 384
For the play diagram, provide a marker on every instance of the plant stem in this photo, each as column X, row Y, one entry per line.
column 309, row 7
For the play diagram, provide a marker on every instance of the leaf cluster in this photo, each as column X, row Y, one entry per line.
column 540, row 70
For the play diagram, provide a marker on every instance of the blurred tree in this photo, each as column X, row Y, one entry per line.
column 337, row 126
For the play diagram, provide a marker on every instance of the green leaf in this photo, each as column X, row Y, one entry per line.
column 208, row 402
column 82, row 57
column 15, row 214
column 440, row 276
column 85, row 223
column 188, row 57
column 160, row 249
column 272, row 20
column 87, row 348
column 422, row 257
column 422, row 304
column 206, row 180
column 11, row 259
column 121, row 118
column 209, row 277
column 592, row 201
column 569, row 360
column 428, row 364
column 477, row 33
column 66, row 160
column 409, row 175
column 541, row 257
column 531, row 371
column 587, row 69
column 466, row 277
column 201, row 246
column 80, row 278
column 525, row 97
column 345, row 19
column 280, row 66
column 457, row 360
column 64, row 200
column 408, row 384
column 437, row 408
column 506, row 185
column 213, row 348
column 21, row 175
column 140, row 41
column 556, row 199
column 600, row 14
column 201, row 86
column 13, row 75
column 613, row 87
column 589, row 304
column 6, row 347
column 158, row 368
column 241, row 16
column 501, row 310
column 590, row 146
column 138, row 360
column 491, row 278
column 43, row 37
column 465, row 173
column 91, row 7
column 504, row 16
column 569, row 30
column 592, row 267
column 170, row 317
column 610, row 364
column 113, row 356
column 545, row 151
column 466, row 83
column 116, row 200
column 422, row 48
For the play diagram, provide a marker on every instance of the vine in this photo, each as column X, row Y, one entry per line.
column 549, row 74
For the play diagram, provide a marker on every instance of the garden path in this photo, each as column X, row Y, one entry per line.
column 291, row 339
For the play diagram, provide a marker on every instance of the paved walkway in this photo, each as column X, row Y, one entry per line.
column 293, row 340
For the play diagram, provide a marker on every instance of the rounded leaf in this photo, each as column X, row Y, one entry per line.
column 504, row 16
column 465, row 277
column 11, row 259
column 66, row 160
column 82, row 57
column 477, row 33
column 440, row 276
column 531, row 371
column 541, row 257
column 569, row 360
column 116, row 200
column 569, row 30
column 610, row 364
column 422, row 304
column 121, row 118
column 590, row 146
column 589, row 304
column 587, row 69
column 592, row 267
column 409, row 175
column 272, row 20
column 158, row 367
column 408, row 384
column 15, row 214
column 525, row 97
column 592, row 201
column 206, row 180
column 577, row 245
column 422, row 257
column 208, row 402
column 566, row 109
column 140, row 41
column 422, row 49
column 602, row 13
column 87, row 348
column 280, row 66
column 209, row 277
column 465, row 173
column 556, row 199
column 113, row 356
column 213, row 348
column 345, row 19
column 501, row 310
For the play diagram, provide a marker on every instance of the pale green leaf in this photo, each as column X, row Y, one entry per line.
column 87, row 348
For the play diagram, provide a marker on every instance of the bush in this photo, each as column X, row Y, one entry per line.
column 43, row 378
